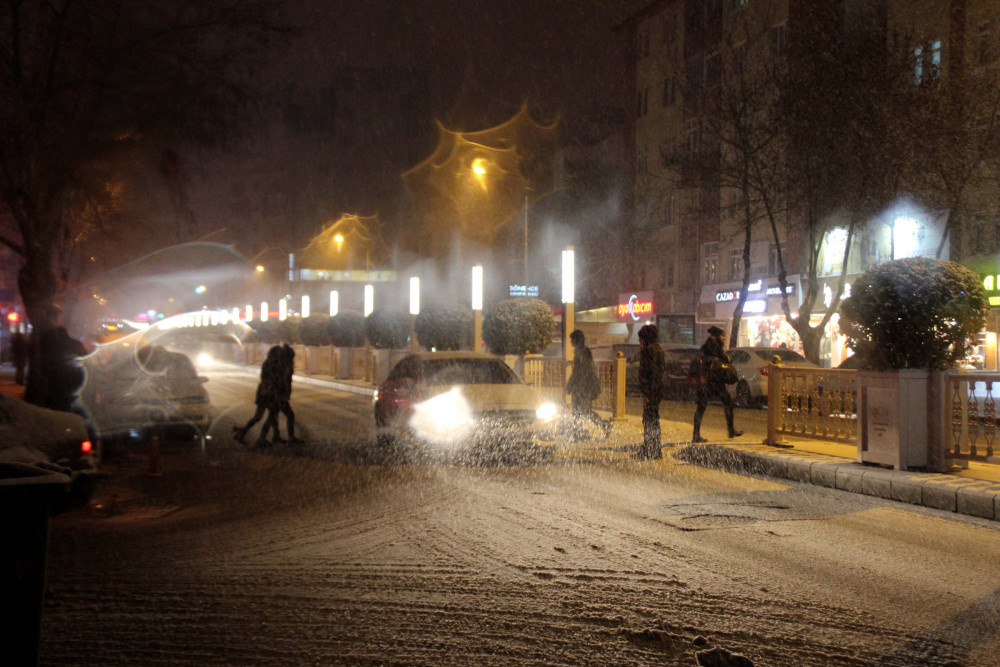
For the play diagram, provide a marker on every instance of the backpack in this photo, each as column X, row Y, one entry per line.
column 697, row 370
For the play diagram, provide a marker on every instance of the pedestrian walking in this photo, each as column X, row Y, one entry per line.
column 651, row 368
column 709, row 380
column 285, row 394
column 266, row 399
column 19, row 348
column 584, row 387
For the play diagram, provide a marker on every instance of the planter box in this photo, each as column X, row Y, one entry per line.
column 895, row 413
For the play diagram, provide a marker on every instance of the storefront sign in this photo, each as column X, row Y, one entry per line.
column 992, row 284
column 775, row 290
column 635, row 306
column 523, row 290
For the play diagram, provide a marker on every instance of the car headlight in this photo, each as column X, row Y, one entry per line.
column 546, row 411
column 442, row 419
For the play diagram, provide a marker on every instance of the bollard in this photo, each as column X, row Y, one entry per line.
column 154, row 457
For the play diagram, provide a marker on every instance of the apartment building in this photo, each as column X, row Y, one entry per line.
column 698, row 75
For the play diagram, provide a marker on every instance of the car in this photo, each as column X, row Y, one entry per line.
column 751, row 365
column 134, row 393
column 465, row 406
column 52, row 439
column 677, row 357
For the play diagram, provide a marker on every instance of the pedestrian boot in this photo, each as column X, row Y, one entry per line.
column 735, row 434
column 697, row 438
column 239, row 433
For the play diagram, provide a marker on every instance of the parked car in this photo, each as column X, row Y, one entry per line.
column 465, row 405
column 751, row 365
column 134, row 393
column 678, row 358
column 34, row 435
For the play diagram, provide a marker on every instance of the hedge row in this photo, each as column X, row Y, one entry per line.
column 514, row 326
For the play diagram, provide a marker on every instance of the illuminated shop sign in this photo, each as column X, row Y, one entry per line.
column 635, row 306
column 992, row 284
column 523, row 290
column 755, row 306
column 723, row 296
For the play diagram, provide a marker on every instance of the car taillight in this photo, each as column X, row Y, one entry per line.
column 86, row 447
column 763, row 370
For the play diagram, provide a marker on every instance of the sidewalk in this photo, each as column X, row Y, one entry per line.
column 974, row 491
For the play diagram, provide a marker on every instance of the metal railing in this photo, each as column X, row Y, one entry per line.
column 549, row 375
column 970, row 399
column 818, row 403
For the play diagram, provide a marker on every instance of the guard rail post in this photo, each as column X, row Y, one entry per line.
column 619, row 375
column 774, row 406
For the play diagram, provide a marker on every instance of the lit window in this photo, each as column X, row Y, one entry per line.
column 735, row 264
column 710, row 263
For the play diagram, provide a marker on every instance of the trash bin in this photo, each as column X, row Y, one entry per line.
column 28, row 494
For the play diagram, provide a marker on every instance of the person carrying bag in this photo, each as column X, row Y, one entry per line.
column 710, row 378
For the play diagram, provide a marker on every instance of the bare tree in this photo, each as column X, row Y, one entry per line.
column 85, row 83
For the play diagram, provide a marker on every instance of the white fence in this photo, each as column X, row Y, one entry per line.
column 818, row 403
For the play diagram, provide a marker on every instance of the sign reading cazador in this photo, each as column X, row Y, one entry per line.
column 634, row 306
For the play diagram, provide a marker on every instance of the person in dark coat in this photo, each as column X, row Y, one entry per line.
column 61, row 370
column 708, row 384
column 267, row 398
column 651, row 368
column 284, row 397
column 19, row 349
column 584, row 386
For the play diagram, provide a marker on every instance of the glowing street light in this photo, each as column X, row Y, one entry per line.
column 249, row 313
column 414, row 311
column 264, row 312
column 477, row 307
column 568, row 279
column 305, row 305
column 369, row 300
column 334, row 302
column 282, row 310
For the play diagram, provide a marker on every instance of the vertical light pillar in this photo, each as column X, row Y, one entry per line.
column 568, row 296
column 369, row 300
column 236, row 315
column 283, row 309
column 249, row 313
column 264, row 311
column 305, row 305
column 414, row 311
column 477, row 308
column 334, row 302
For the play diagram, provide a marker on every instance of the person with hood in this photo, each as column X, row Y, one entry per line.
column 584, row 386
column 284, row 395
column 652, row 365
column 713, row 352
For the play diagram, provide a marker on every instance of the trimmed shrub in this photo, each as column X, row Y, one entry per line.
column 518, row 325
column 916, row 312
column 388, row 329
column 347, row 330
column 315, row 330
column 444, row 327
column 275, row 331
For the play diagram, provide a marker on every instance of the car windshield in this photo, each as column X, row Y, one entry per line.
column 784, row 355
column 467, row 371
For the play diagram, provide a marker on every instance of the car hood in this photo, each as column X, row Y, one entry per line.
column 494, row 397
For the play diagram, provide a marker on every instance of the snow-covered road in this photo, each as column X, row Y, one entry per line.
column 278, row 559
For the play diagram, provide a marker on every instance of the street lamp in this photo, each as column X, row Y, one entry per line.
column 369, row 300
column 568, row 279
column 249, row 313
column 334, row 302
column 282, row 310
column 414, row 311
column 477, row 307
column 305, row 305
column 264, row 312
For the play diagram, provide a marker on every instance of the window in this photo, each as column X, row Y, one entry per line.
column 710, row 263
column 668, row 153
column 669, row 91
column 772, row 260
column 927, row 62
column 738, row 4
column 642, row 102
column 779, row 40
column 670, row 29
column 735, row 264
column 692, row 138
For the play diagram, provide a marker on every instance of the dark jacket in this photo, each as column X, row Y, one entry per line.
column 583, row 381
column 714, row 355
column 652, row 366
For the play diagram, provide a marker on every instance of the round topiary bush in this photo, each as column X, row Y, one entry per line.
column 916, row 312
column 315, row 330
column 518, row 325
column 388, row 329
column 347, row 330
column 444, row 327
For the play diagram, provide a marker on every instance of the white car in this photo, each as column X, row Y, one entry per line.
column 465, row 405
column 751, row 365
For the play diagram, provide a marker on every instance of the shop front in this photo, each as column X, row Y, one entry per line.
column 763, row 322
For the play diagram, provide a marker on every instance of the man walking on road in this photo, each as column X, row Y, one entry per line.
column 709, row 383
column 651, row 368
column 584, row 386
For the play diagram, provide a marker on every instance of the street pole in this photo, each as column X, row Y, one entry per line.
column 568, row 297
column 477, row 308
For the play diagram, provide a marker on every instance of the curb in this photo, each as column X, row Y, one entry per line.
column 972, row 497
